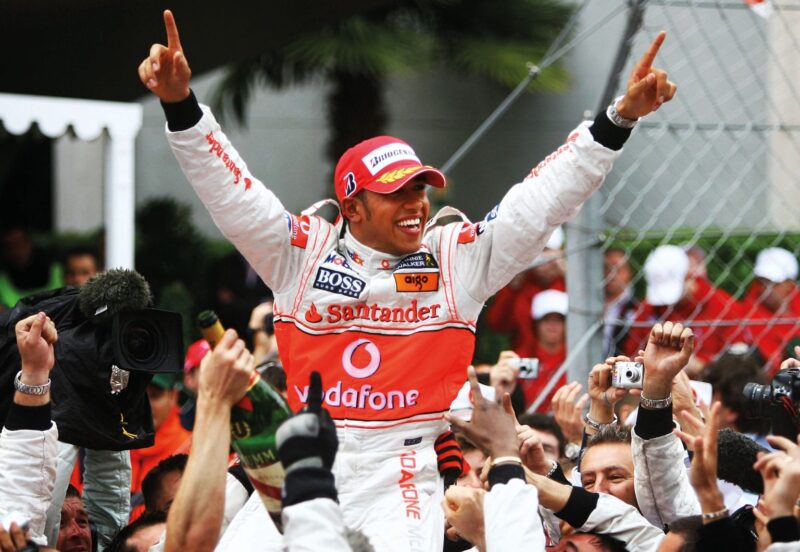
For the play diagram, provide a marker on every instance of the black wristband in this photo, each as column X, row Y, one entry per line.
column 607, row 133
column 559, row 476
column 36, row 418
column 183, row 114
column 579, row 507
column 503, row 473
column 783, row 529
column 652, row 423
column 304, row 484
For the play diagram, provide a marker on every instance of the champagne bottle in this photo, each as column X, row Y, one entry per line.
column 254, row 422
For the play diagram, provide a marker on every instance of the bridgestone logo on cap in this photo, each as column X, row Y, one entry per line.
column 380, row 158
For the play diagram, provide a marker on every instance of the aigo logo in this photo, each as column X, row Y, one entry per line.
column 374, row 359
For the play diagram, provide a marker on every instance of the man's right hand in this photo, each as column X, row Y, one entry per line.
column 165, row 72
column 36, row 336
column 225, row 373
column 668, row 351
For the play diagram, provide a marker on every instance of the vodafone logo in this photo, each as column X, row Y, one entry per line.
column 374, row 359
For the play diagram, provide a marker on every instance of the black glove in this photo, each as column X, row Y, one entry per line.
column 307, row 445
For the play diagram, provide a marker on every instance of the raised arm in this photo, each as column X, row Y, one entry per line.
column 165, row 71
column 246, row 212
column 661, row 481
column 514, row 233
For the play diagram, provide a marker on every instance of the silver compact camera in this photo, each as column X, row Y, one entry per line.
column 627, row 375
column 528, row 367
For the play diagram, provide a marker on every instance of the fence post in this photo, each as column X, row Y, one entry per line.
column 585, row 268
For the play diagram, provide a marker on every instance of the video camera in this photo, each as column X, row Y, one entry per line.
column 110, row 343
column 778, row 400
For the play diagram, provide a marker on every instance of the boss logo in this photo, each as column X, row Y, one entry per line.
column 336, row 282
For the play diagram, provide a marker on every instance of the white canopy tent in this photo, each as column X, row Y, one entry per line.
column 88, row 119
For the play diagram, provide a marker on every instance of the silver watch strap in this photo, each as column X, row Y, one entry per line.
column 618, row 119
column 30, row 389
column 655, row 404
column 597, row 426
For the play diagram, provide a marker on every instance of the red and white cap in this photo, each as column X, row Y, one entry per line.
column 382, row 164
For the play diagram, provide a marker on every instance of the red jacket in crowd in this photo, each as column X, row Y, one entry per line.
column 707, row 304
column 773, row 338
column 510, row 311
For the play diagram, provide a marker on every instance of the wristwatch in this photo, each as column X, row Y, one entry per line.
column 572, row 451
column 30, row 389
column 618, row 119
column 655, row 404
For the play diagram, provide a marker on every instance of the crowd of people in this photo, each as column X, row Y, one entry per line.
column 396, row 444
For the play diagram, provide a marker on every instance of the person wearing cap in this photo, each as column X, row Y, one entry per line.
column 510, row 309
column 194, row 355
column 385, row 301
column 549, row 314
column 170, row 437
column 677, row 294
column 773, row 296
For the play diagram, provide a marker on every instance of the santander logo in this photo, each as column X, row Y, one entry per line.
column 370, row 368
column 312, row 315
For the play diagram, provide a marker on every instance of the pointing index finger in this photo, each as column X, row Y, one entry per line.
column 477, row 396
column 173, row 39
column 650, row 55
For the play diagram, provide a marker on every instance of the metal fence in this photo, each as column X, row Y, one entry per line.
column 716, row 170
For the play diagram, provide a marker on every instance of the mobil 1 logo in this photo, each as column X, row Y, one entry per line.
column 337, row 282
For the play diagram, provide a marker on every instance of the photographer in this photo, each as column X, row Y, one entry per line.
column 29, row 440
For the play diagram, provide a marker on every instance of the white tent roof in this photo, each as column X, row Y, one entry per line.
column 88, row 119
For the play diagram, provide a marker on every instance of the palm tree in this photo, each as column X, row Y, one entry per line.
column 492, row 39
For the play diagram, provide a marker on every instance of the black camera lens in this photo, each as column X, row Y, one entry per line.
column 141, row 341
column 758, row 398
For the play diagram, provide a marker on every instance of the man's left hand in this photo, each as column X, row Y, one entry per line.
column 648, row 86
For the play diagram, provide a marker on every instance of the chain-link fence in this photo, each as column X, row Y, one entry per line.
column 715, row 172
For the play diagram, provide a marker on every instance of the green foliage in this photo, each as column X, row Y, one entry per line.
column 729, row 256
column 484, row 38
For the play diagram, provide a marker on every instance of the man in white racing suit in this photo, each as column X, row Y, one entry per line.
column 383, row 304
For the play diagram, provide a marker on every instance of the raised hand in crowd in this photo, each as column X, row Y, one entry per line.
column 703, row 470
column 792, row 362
column 463, row 510
column 195, row 517
column 165, row 72
column 503, row 375
column 683, row 398
column 648, row 87
column 603, row 395
column 36, row 337
column 781, row 474
column 568, row 410
column 13, row 539
column 493, row 427
column 668, row 351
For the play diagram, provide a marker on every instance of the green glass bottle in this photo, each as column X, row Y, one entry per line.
column 254, row 422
